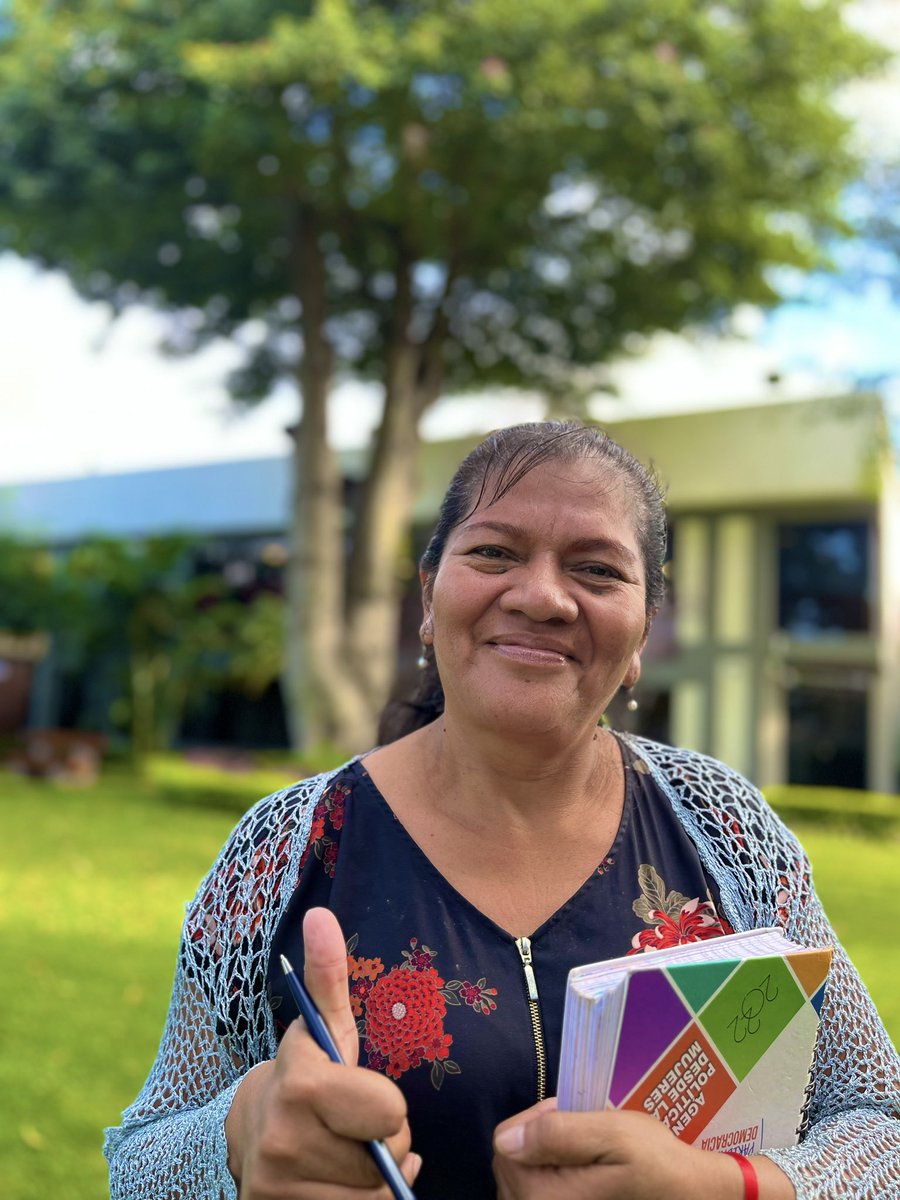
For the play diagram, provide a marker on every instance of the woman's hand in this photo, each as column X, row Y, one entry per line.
column 542, row 1154
column 298, row 1125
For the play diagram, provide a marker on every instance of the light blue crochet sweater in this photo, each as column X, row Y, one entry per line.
column 171, row 1144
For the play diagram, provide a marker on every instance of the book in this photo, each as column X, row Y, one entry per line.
column 714, row 1038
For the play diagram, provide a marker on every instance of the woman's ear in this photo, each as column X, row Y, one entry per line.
column 633, row 674
column 426, row 629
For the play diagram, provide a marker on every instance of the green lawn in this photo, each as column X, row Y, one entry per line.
column 92, row 888
column 855, row 877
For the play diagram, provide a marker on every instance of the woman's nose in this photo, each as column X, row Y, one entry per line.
column 540, row 591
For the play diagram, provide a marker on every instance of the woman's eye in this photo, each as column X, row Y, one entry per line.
column 599, row 571
column 490, row 552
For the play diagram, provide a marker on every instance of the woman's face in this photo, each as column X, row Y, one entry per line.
column 537, row 609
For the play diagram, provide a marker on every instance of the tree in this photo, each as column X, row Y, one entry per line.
column 161, row 633
column 29, row 596
column 432, row 195
column 166, row 634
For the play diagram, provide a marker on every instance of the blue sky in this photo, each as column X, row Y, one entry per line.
column 852, row 333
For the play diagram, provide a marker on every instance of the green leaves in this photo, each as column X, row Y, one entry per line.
column 443, row 127
column 29, row 602
column 324, row 49
column 162, row 635
column 655, row 900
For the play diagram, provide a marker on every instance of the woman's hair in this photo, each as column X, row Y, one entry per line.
column 485, row 475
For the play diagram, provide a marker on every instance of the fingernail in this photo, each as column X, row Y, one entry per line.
column 511, row 1141
column 416, row 1165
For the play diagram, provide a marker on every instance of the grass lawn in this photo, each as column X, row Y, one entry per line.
column 92, row 888
column 855, row 877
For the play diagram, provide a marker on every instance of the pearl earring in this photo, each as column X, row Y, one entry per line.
column 631, row 704
column 422, row 661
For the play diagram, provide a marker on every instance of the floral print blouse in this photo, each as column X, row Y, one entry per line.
column 466, row 1018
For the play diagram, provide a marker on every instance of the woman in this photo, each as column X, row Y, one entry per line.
column 496, row 838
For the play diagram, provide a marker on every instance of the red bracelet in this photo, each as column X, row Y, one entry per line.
column 751, row 1180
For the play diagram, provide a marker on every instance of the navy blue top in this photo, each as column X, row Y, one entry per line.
column 439, row 990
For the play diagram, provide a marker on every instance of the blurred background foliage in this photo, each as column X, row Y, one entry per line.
column 137, row 614
column 581, row 172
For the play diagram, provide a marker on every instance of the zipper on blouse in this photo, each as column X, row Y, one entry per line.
column 523, row 945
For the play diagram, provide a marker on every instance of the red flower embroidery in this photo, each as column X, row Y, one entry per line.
column 362, row 972
column 328, row 816
column 405, row 1020
column 400, row 1016
column 329, row 859
column 317, row 832
column 364, row 968
column 674, row 919
column 418, row 960
column 470, row 993
column 359, row 994
column 695, row 922
column 377, row 1062
column 606, row 865
column 336, row 806
column 477, row 995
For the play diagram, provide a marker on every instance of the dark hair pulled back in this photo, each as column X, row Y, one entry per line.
column 491, row 470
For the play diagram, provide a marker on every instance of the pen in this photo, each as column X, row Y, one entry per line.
column 321, row 1035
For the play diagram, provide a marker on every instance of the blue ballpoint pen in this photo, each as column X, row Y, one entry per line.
column 321, row 1035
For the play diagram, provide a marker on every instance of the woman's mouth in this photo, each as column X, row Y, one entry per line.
column 531, row 655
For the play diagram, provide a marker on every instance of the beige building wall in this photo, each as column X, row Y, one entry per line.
column 884, row 727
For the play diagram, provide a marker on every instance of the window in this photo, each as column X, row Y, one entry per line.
column 827, row 736
column 823, row 578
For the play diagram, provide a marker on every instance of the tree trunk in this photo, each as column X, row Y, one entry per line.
column 323, row 700
column 381, row 534
column 342, row 645
column 380, row 537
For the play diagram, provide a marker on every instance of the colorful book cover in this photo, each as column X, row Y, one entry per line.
column 720, row 1051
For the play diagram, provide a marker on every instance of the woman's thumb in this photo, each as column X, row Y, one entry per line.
column 325, row 975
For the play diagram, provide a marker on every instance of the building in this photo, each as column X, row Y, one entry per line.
column 782, row 651
column 779, row 648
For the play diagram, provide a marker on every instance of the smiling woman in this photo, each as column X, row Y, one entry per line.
column 537, row 608
column 440, row 888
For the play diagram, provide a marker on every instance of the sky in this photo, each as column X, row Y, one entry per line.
column 80, row 394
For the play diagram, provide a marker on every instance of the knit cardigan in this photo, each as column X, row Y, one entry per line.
column 171, row 1143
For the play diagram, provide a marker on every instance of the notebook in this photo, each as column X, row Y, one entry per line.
column 714, row 1038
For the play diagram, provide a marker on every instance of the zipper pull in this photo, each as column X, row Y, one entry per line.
column 523, row 945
